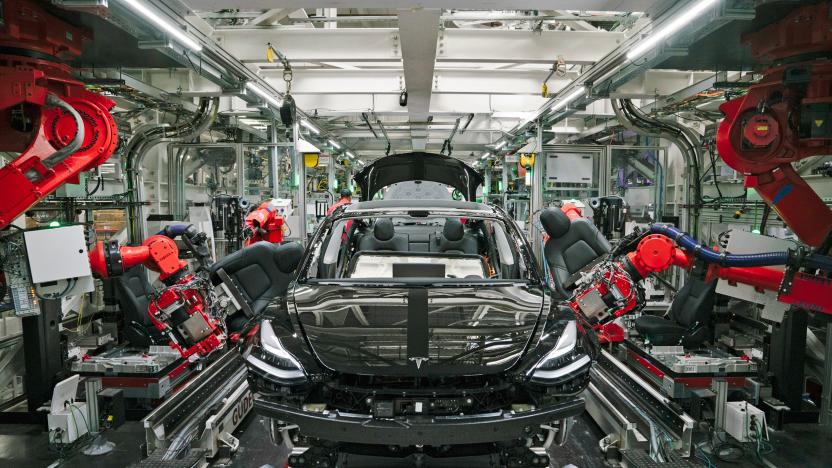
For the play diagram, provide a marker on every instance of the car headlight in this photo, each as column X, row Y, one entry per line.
column 562, row 360
column 273, row 359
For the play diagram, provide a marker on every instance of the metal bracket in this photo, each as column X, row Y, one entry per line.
column 229, row 440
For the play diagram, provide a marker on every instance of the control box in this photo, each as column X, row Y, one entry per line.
column 67, row 425
column 58, row 261
column 745, row 422
column 111, row 408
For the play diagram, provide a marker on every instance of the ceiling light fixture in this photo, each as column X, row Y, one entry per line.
column 263, row 94
column 312, row 128
column 180, row 35
column 485, row 156
column 350, row 155
column 670, row 28
column 335, row 144
column 501, row 145
column 562, row 103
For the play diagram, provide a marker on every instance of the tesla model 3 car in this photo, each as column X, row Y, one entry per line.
column 419, row 324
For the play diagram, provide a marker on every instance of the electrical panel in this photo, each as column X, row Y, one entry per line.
column 745, row 422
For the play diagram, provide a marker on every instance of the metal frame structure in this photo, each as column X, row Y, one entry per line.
column 661, row 151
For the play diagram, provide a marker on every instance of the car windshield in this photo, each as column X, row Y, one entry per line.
column 418, row 247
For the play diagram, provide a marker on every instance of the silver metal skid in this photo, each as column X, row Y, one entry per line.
column 629, row 409
column 202, row 415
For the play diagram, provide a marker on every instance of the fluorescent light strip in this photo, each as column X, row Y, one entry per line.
column 163, row 24
column 580, row 91
column 350, row 155
column 501, row 145
column 263, row 94
column 485, row 156
column 670, row 28
column 311, row 127
column 335, row 144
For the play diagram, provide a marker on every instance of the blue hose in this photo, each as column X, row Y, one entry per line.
column 174, row 230
column 687, row 242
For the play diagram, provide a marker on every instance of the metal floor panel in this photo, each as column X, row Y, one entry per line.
column 191, row 460
column 641, row 459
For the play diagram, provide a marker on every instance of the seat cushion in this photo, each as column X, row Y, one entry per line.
column 133, row 291
column 694, row 303
column 383, row 238
column 660, row 331
column 397, row 243
column 261, row 271
column 455, row 239
column 572, row 246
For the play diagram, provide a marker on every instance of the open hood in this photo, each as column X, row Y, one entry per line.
column 418, row 166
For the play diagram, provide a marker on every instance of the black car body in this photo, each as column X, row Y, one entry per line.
column 436, row 332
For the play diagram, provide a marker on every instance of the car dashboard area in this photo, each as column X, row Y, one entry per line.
column 417, row 247
column 416, row 264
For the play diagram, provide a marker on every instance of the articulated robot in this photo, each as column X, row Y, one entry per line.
column 784, row 118
column 59, row 128
column 610, row 289
column 267, row 222
column 183, row 310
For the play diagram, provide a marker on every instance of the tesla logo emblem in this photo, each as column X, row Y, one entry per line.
column 419, row 361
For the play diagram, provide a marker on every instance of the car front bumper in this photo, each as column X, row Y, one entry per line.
column 421, row 430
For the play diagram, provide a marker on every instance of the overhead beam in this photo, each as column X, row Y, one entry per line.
column 441, row 104
column 419, row 30
column 445, row 81
column 598, row 5
column 384, row 45
column 271, row 16
column 660, row 83
column 577, row 24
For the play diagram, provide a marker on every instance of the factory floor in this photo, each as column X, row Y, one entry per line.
column 25, row 446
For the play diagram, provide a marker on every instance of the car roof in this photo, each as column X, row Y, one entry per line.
column 402, row 205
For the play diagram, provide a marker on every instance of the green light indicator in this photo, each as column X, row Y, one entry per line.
column 755, row 231
column 54, row 224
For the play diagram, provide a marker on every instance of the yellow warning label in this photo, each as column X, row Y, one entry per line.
column 818, row 123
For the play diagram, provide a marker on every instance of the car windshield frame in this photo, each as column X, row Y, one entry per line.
column 529, row 270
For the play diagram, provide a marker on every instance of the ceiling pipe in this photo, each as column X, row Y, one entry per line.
column 141, row 143
column 689, row 144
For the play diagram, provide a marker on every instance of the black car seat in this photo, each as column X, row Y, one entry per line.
column 259, row 273
column 383, row 238
column 572, row 245
column 133, row 291
column 689, row 318
column 454, row 239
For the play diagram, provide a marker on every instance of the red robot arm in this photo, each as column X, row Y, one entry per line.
column 264, row 224
column 158, row 253
column 781, row 120
column 181, row 310
column 613, row 291
column 656, row 253
column 68, row 129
